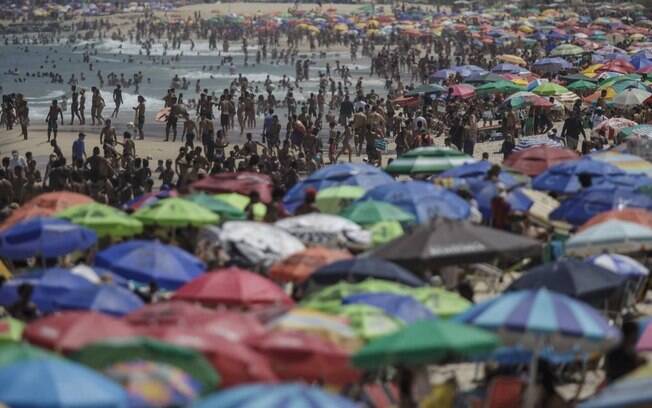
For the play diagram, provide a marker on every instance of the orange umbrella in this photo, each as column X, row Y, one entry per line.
column 46, row 204
column 297, row 267
column 635, row 215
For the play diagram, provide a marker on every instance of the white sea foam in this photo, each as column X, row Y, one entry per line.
column 157, row 49
column 47, row 98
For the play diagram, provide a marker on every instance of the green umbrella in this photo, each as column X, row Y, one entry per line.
column 426, row 89
column 566, row 49
column 241, row 201
column 223, row 209
column 385, row 231
column 425, row 342
column 13, row 352
column 332, row 200
column 102, row 355
column 372, row 212
column 503, row 86
column 10, row 330
column 176, row 212
column 549, row 89
column 578, row 77
column 428, row 160
column 369, row 322
column 582, row 86
column 104, row 220
column 441, row 302
column 329, row 299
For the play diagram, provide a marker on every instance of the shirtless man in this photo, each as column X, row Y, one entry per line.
column 51, row 119
column 346, row 143
column 108, row 137
column 140, row 116
column 74, row 106
column 117, row 99
column 97, row 105
column 82, row 106
column 22, row 114
column 189, row 132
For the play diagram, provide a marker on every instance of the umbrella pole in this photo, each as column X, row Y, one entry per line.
column 530, row 394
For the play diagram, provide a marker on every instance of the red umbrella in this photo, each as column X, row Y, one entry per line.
column 407, row 101
column 536, row 160
column 239, row 182
column 236, row 362
column 67, row 332
column 461, row 91
column 297, row 267
column 617, row 65
column 169, row 313
column 296, row 355
column 232, row 287
column 645, row 70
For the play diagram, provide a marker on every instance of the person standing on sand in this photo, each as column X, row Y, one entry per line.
column 22, row 114
column 82, row 106
column 117, row 99
column 51, row 119
column 140, row 116
column 97, row 106
column 74, row 106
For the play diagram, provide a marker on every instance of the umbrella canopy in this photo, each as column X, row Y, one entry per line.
column 233, row 287
column 147, row 199
column 70, row 331
column 221, row 208
column 592, row 201
column 542, row 207
column 106, row 298
column 324, row 229
column 16, row 352
column 581, row 280
column 446, row 242
column 631, row 391
column 405, row 308
column 176, row 212
column 275, row 396
column 614, row 235
column 423, row 200
column 44, row 205
column 564, row 177
column 549, row 89
column 462, row 91
column 359, row 269
column 361, row 175
column 536, row 160
column 104, row 354
column 46, row 237
column 505, row 87
column 60, row 383
column 333, row 200
column 581, row 86
column 621, row 265
column 426, row 89
column 512, row 59
column 484, row 191
column 104, row 220
column 296, row 355
column 372, row 212
column 478, row 171
column 428, row 160
column 241, row 202
column 298, row 267
column 627, row 162
column 612, row 126
column 630, row 98
column 441, row 302
column 10, row 330
column 635, row 215
column 425, row 342
column 369, row 322
column 239, row 182
column 566, row 50
column 151, row 261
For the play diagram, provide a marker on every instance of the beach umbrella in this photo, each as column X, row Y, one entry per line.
column 328, row 327
column 66, row 332
column 325, row 229
column 462, row 91
column 579, row 208
column 578, row 279
column 612, row 126
column 54, row 382
column 640, row 61
column 482, row 78
column 369, row 322
column 220, row 207
column 105, row 298
column 535, row 160
column 425, row 342
column 443, row 303
column 620, row 264
column 352, row 174
column 449, row 242
column 299, row 266
column 44, row 237
column 372, row 212
column 444, row 74
column 614, row 235
column 428, row 160
column 628, row 162
column 104, row 220
column 333, row 200
column 484, row 191
column 239, row 182
column 384, row 231
column 477, row 171
column 552, row 65
column 241, row 202
column 422, row 200
column 505, row 87
column 635, row 215
column 11, row 330
column 564, row 177
column 233, row 287
column 150, row 261
column 296, row 355
column 21, row 351
column 631, row 97
column 512, row 59
column 566, row 50
column 154, row 384
column 405, row 308
column 523, row 99
column 329, row 299
column 275, row 396
column 426, row 89
column 361, row 268
column 631, row 391
column 508, row 68
column 104, row 354
column 582, row 86
column 638, row 131
column 45, row 205
column 147, row 199
column 176, row 212
column 617, row 65
column 542, row 205
column 549, row 89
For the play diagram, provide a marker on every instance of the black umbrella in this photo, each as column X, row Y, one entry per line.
column 582, row 280
column 448, row 242
column 359, row 269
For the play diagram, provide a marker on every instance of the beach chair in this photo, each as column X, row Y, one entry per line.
column 504, row 392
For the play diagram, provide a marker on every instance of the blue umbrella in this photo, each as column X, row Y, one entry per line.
column 484, row 192
column 554, row 64
column 359, row 269
column 478, row 171
column 151, row 261
column 468, row 70
column 275, row 396
column 105, row 298
column 563, row 177
column 405, row 308
column 508, row 68
column 640, row 61
column 621, row 265
column 350, row 174
column 423, row 200
column 52, row 383
column 442, row 74
column 634, row 392
column 581, row 207
column 46, row 237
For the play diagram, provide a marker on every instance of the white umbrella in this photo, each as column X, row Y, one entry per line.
column 631, row 97
column 326, row 229
column 614, row 236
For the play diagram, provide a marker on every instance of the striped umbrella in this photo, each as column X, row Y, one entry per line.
column 612, row 126
column 615, row 235
column 620, row 264
column 535, row 141
column 632, row 391
column 640, row 131
column 428, row 160
column 627, row 162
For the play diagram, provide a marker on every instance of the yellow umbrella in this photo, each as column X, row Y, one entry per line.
column 4, row 271
column 592, row 69
column 542, row 205
column 520, row 81
column 373, row 24
column 360, row 26
column 313, row 29
column 512, row 59
column 341, row 27
column 526, row 29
